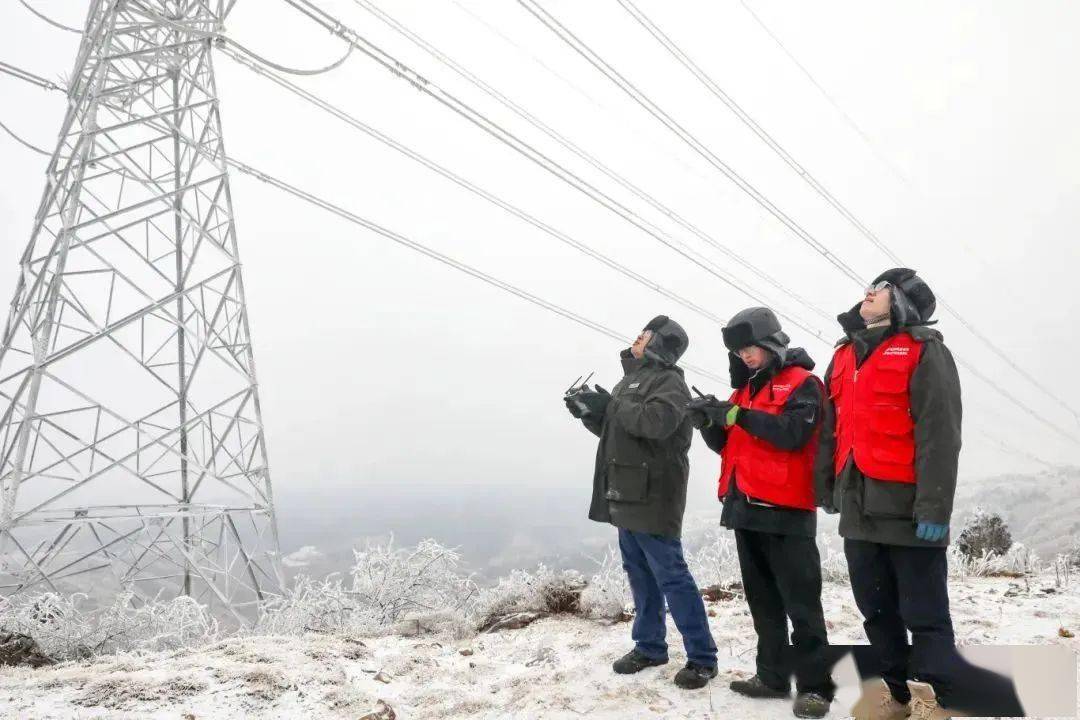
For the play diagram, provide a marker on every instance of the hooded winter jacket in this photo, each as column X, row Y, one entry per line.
column 642, row 461
column 888, row 511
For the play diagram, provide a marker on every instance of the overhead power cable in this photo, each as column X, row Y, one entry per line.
column 831, row 100
column 584, row 155
column 472, row 187
column 600, row 328
column 668, row 44
column 448, row 261
column 283, row 68
column 429, row 88
column 500, row 133
column 532, row 220
column 49, row 20
column 711, row 85
column 1013, row 450
column 29, row 77
column 687, row 137
column 535, row 58
column 224, row 39
column 22, row 142
column 596, row 61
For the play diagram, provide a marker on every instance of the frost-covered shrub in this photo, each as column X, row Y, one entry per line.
column 1021, row 560
column 1072, row 556
column 1018, row 561
column 542, row 591
column 715, row 561
column 834, row 566
column 608, row 593
column 984, row 533
column 314, row 606
column 65, row 628
column 393, row 584
column 422, row 585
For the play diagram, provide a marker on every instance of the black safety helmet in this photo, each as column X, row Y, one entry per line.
column 669, row 340
column 913, row 302
column 756, row 326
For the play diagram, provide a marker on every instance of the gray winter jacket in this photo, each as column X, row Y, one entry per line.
column 642, row 463
column 888, row 512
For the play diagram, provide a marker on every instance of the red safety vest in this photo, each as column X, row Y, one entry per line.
column 762, row 470
column 873, row 408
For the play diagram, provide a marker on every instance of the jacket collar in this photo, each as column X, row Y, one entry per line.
column 631, row 363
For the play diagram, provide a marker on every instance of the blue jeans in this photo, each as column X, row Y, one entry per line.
column 657, row 571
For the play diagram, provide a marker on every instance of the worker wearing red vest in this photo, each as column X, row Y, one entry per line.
column 887, row 462
column 766, row 435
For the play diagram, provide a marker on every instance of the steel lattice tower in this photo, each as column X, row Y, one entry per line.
column 133, row 453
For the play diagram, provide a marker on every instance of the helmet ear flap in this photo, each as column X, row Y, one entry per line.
column 920, row 298
column 656, row 323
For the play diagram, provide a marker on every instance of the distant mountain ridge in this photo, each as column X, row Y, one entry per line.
column 1042, row 509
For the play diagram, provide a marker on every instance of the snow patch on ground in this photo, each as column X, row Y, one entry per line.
column 558, row 667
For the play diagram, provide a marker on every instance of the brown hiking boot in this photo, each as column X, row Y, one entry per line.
column 924, row 704
column 877, row 703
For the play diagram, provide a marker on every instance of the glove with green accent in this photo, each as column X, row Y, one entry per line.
column 707, row 411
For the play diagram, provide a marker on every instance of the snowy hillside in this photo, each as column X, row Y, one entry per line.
column 1041, row 509
column 556, row 667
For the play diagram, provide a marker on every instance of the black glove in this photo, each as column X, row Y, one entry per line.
column 595, row 400
column 695, row 411
column 572, row 406
column 707, row 411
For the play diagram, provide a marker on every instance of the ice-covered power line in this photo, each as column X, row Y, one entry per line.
column 429, row 88
column 562, row 140
column 490, row 197
column 472, row 187
column 668, row 44
column 529, row 151
column 711, row 85
column 223, row 39
column 450, row 261
column 828, row 97
column 608, row 71
column 28, row 76
column 22, row 142
column 48, row 19
column 703, row 372
column 532, row 56
column 687, row 137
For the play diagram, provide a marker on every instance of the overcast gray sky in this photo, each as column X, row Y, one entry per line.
column 379, row 367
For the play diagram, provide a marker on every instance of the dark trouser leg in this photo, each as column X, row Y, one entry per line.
column 922, row 575
column 874, row 585
column 649, row 627
column 665, row 557
column 766, row 608
column 796, row 565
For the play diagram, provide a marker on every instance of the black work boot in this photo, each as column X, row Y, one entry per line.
column 633, row 662
column 811, row 705
column 755, row 687
column 694, row 676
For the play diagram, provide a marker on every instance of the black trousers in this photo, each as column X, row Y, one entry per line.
column 782, row 579
column 900, row 589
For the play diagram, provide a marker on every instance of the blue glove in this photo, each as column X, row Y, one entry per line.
column 931, row 532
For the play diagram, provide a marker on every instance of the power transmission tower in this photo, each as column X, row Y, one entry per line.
column 133, row 453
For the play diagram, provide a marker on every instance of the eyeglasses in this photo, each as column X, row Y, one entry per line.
column 878, row 287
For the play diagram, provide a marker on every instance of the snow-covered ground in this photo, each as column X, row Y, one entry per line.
column 558, row 667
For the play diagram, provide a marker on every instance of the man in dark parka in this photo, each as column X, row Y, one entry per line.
column 639, row 486
column 887, row 462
